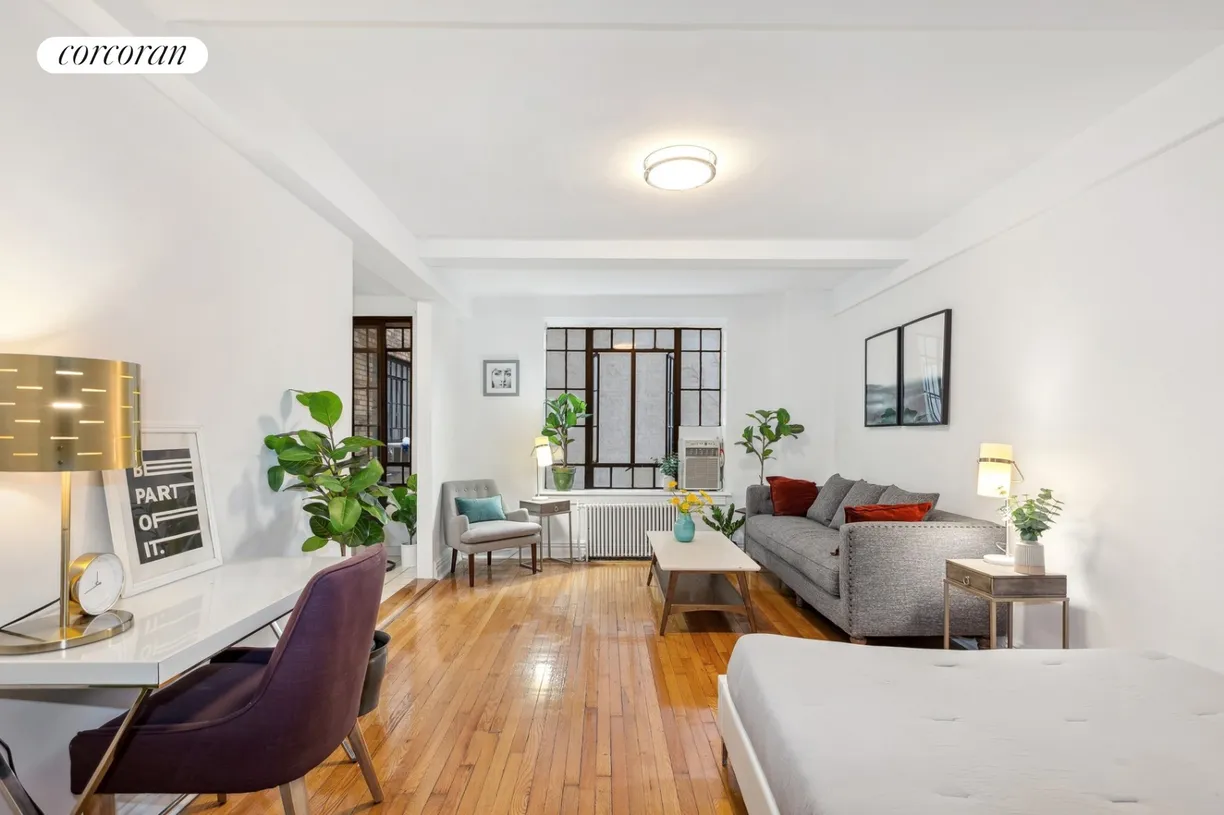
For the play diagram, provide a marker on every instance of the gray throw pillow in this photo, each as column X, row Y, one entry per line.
column 829, row 498
column 860, row 495
column 896, row 495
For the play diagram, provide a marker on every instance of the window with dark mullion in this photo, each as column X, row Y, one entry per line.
column 641, row 385
column 382, row 390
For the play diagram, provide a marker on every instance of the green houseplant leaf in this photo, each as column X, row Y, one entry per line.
column 768, row 428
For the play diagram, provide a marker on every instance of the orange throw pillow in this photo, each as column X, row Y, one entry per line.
column 791, row 496
column 887, row 512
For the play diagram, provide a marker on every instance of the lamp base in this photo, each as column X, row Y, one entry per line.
column 41, row 634
column 1000, row 560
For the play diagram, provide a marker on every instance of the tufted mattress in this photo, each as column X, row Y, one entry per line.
column 860, row 730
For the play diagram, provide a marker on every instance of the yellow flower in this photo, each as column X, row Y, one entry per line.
column 675, row 500
column 707, row 498
column 671, row 485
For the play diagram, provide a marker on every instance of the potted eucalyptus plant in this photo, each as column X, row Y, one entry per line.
column 767, row 429
column 1032, row 517
column 561, row 416
column 344, row 498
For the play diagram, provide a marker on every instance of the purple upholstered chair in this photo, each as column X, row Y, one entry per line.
column 253, row 719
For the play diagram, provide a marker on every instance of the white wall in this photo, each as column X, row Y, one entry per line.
column 772, row 359
column 128, row 231
column 1090, row 338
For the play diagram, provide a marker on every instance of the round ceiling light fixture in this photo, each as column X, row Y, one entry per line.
column 680, row 167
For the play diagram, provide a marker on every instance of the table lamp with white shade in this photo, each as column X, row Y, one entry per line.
column 543, row 458
column 996, row 474
column 66, row 415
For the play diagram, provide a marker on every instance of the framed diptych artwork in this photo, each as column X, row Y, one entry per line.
column 907, row 373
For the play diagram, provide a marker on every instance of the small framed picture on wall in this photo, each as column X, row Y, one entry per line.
column 160, row 514
column 501, row 377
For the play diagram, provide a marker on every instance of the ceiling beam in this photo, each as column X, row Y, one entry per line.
column 743, row 254
column 227, row 100
column 761, row 15
column 1187, row 105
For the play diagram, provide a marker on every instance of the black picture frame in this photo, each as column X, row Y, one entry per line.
column 925, row 396
column 877, row 402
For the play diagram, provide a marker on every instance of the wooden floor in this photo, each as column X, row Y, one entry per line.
column 548, row 693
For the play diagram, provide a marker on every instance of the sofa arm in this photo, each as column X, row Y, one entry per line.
column 891, row 576
column 519, row 515
column 758, row 501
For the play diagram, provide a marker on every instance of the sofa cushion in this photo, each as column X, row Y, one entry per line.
column 805, row 545
column 488, row 531
column 791, row 496
column 829, row 499
column 896, row 495
column 861, row 494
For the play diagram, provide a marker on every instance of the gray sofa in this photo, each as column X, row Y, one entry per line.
column 872, row 579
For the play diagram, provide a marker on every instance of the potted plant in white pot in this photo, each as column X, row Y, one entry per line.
column 561, row 416
column 343, row 497
column 1032, row 517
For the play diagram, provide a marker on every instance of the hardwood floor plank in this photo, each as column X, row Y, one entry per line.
column 547, row 693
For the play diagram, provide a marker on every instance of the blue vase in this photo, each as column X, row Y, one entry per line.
column 685, row 529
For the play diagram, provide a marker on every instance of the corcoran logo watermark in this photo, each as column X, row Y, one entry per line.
column 122, row 55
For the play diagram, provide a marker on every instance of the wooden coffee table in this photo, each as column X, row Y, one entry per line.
column 697, row 576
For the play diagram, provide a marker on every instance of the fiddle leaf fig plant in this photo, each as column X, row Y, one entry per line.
column 404, row 505
column 768, row 428
column 344, row 498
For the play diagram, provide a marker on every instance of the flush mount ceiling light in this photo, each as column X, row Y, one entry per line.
column 680, row 167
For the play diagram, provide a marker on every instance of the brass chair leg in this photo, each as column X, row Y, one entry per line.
column 366, row 763
column 293, row 797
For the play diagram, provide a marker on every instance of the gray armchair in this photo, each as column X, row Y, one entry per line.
column 516, row 532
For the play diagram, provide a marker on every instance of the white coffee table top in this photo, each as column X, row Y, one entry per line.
column 708, row 552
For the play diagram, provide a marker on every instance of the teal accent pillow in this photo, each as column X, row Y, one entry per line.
column 479, row 510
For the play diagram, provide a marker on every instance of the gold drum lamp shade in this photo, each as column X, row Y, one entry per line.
column 66, row 415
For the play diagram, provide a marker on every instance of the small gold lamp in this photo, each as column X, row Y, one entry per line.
column 66, row 415
column 997, row 469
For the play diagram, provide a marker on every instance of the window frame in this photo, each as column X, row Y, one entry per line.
column 674, row 397
column 381, row 355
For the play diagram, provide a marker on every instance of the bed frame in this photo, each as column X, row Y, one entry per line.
column 758, row 799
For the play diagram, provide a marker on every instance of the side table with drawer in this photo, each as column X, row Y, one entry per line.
column 1002, row 584
column 545, row 509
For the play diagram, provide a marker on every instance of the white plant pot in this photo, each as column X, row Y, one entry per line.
column 1029, row 558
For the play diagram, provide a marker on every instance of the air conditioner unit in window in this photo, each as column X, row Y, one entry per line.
column 700, row 464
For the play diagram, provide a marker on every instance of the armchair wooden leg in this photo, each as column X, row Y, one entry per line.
column 100, row 805
column 293, row 797
column 454, row 560
column 533, row 558
column 471, row 571
column 489, row 562
column 366, row 763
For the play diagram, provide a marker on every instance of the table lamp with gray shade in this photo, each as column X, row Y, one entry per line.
column 66, row 415
column 997, row 471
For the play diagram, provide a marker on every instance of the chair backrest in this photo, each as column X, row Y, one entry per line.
column 312, row 687
column 476, row 488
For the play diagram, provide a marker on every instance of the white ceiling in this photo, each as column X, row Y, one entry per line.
column 539, row 134
column 492, row 120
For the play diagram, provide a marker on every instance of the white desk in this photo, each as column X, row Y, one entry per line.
column 176, row 627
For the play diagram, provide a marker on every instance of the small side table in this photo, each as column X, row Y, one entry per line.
column 1002, row 584
column 545, row 509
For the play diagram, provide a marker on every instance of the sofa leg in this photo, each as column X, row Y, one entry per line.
column 858, row 640
column 471, row 571
column 454, row 560
column 724, row 754
column 798, row 601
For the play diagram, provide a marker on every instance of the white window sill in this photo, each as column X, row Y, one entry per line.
column 608, row 493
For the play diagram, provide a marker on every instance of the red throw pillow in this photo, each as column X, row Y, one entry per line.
column 887, row 512
column 791, row 496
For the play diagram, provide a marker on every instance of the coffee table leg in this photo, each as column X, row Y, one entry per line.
column 743, row 590
column 667, row 601
column 650, row 569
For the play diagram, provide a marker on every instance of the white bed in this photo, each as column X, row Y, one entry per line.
column 824, row 728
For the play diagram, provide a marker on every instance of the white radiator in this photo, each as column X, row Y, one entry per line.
column 619, row 530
